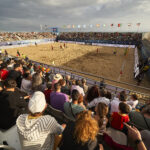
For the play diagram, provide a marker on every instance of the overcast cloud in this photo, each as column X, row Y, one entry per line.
column 28, row 15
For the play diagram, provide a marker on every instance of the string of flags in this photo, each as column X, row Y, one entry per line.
column 79, row 26
column 119, row 25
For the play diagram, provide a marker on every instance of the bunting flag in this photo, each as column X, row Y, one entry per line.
column 104, row 25
column 97, row 25
column 112, row 25
column 138, row 24
column 119, row 25
column 84, row 26
column 79, row 26
column 64, row 26
column 69, row 26
column 91, row 26
column 41, row 26
column 73, row 26
column 129, row 24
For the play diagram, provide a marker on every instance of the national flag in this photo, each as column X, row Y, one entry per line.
column 138, row 24
column 91, row 26
column 97, row 25
column 104, row 25
column 79, row 26
column 73, row 26
column 119, row 25
column 84, row 26
column 112, row 25
column 129, row 24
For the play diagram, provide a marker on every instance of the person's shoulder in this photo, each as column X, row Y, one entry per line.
column 66, row 104
column 47, row 119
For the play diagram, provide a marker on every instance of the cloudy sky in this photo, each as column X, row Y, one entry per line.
column 28, row 15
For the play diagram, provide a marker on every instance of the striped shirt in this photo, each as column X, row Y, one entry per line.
column 39, row 133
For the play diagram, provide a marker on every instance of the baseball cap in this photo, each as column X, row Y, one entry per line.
column 37, row 102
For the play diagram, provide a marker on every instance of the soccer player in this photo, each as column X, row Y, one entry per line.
column 115, row 51
column 18, row 54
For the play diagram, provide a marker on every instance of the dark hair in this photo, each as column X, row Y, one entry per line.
column 122, row 96
column 124, row 108
column 102, row 93
column 146, row 110
column 75, row 95
column 49, row 85
column 26, row 75
column 10, row 83
column 16, row 65
column 57, row 86
column 78, row 82
column 3, row 65
column 108, row 95
column 92, row 93
column 134, row 96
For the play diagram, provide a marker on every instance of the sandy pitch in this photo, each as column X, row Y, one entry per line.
column 84, row 58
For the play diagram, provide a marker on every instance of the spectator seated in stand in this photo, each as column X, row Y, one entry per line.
column 84, row 86
column 133, row 101
column 78, row 87
column 118, row 118
column 3, row 71
column 37, row 131
column 64, row 87
column 57, row 98
column 81, row 134
column 12, row 104
column 141, row 120
column 71, row 109
column 101, row 99
column 47, row 92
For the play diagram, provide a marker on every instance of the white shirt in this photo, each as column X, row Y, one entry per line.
column 95, row 101
column 39, row 133
column 78, row 88
column 114, row 105
column 132, row 103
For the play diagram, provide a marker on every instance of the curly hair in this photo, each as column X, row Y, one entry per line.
column 86, row 127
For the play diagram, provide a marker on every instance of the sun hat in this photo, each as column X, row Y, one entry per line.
column 37, row 102
column 57, row 77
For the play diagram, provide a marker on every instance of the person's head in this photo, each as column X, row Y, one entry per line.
column 57, row 87
column 83, row 81
column 27, row 76
column 10, row 84
column 134, row 97
column 68, row 77
column 101, row 111
column 36, row 81
column 75, row 95
column 108, row 95
column 57, row 77
column 17, row 67
column 74, row 82
column 122, row 96
column 49, row 85
column 124, row 108
column 92, row 93
column 78, row 82
column 102, row 93
column 3, row 66
column 146, row 110
column 62, row 82
column 86, row 127
column 37, row 103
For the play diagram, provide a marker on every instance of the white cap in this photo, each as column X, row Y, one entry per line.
column 37, row 102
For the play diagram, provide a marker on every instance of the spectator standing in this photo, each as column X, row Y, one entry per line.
column 3, row 71
column 84, row 86
column 133, row 101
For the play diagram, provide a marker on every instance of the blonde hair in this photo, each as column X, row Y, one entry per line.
column 86, row 127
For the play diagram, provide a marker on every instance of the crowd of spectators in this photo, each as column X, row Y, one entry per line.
column 18, row 36
column 94, row 36
column 28, row 90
